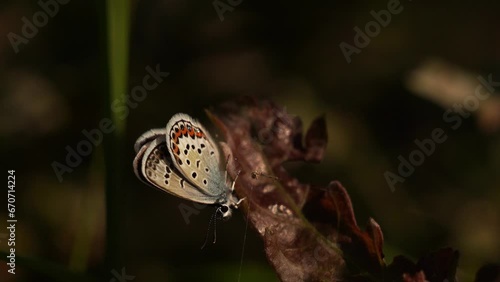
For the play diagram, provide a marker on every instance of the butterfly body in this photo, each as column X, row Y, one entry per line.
column 183, row 160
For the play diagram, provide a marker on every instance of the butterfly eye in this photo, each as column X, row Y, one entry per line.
column 226, row 212
column 224, row 209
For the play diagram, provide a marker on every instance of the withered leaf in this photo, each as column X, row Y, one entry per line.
column 438, row 266
column 310, row 233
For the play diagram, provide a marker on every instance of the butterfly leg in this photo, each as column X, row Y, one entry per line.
column 227, row 163
column 234, row 181
column 239, row 201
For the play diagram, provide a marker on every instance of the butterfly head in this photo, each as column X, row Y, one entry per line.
column 226, row 211
column 226, row 208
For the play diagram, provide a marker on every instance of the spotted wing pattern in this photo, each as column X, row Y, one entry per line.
column 153, row 165
column 194, row 154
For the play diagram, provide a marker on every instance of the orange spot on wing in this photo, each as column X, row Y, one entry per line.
column 176, row 149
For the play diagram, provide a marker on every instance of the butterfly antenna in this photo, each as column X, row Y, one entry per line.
column 215, row 225
column 208, row 230
column 227, row 163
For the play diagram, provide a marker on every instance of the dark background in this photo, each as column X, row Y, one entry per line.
column 287, row 51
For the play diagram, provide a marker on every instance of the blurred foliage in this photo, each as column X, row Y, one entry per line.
column 56, row 86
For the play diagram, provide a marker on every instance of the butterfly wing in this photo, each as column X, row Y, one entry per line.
column 153, row 166
column 194, row 154
column 147, row 137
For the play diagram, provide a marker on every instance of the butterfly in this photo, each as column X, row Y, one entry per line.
column 183, row 160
